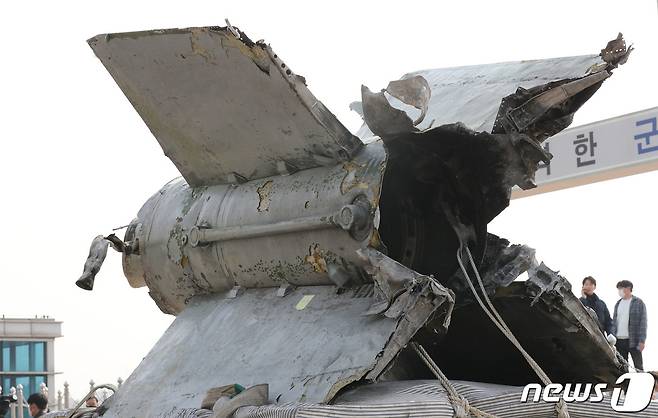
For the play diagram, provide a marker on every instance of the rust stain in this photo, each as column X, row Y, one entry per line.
column 196, row 48
column 375, row 239
column 264, row 196
column 350, row 180
column 315, row 259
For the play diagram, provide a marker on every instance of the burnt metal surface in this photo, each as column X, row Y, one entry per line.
column 448, row 177
column 502, row 263
column 305, row 346
column 548, row 320
column 223, row 108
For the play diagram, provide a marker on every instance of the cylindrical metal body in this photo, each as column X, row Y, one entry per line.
column 264, row 233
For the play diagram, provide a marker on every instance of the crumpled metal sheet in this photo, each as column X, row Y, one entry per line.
column 383, row 119
column 468, row 176
column 223, row 108
column 387, row 121
column 397, row 287
column 616, row 52
column 306, row 346
column 549, row 321
column 414, row 91
column 472, row 94
column 501, row 264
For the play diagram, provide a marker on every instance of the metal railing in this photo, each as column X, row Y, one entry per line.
column 89, row 394
column 16, row 409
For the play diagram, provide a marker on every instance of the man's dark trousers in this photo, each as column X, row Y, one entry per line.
column 636, row 355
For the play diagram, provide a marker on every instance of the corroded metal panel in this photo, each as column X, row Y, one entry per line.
column 223, row 108
column 306, row 346
column 283, row 230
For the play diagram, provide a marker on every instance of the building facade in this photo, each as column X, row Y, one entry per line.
column 27, row 353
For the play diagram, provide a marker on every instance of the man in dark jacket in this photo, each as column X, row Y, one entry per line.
column 629, row 324
column 38, row 404
column 591, row 300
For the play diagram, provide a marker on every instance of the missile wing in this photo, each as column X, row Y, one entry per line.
column 223, row 108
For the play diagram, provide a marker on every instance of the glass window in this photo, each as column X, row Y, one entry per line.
column 25, row 381
column 38, row 357
column 22, row 350
column 31, row 384
column 23, row 356
column 6, row 356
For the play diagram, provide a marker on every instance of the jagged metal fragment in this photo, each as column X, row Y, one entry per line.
column 414, row 91
column 396, row 286
column 385, row 120
column 501, row 264
column 550, row 323
column 357, row 107
column 536, row 107
column 615, row 52
column 97, row 253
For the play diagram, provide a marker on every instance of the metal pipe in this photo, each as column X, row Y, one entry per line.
column 199, row 236
column 89, row 394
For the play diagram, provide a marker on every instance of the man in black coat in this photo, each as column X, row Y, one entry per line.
column 590, row 300
column 38, row 405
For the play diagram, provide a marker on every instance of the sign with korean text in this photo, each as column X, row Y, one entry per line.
column 599, row 151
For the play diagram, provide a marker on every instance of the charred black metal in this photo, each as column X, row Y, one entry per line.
column 615, row 52
column 549, row 321
column 443, row 178
column 501, row 265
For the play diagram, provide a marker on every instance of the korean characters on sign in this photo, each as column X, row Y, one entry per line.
column 585, row 146
column 645, row 145
column 605, row 149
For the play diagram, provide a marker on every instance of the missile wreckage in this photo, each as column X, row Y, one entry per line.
column 314, row 272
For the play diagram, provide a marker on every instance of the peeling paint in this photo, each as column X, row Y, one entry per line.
column 351, row 180
column 196, row 48
column 316, row 259
column 264, row 196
